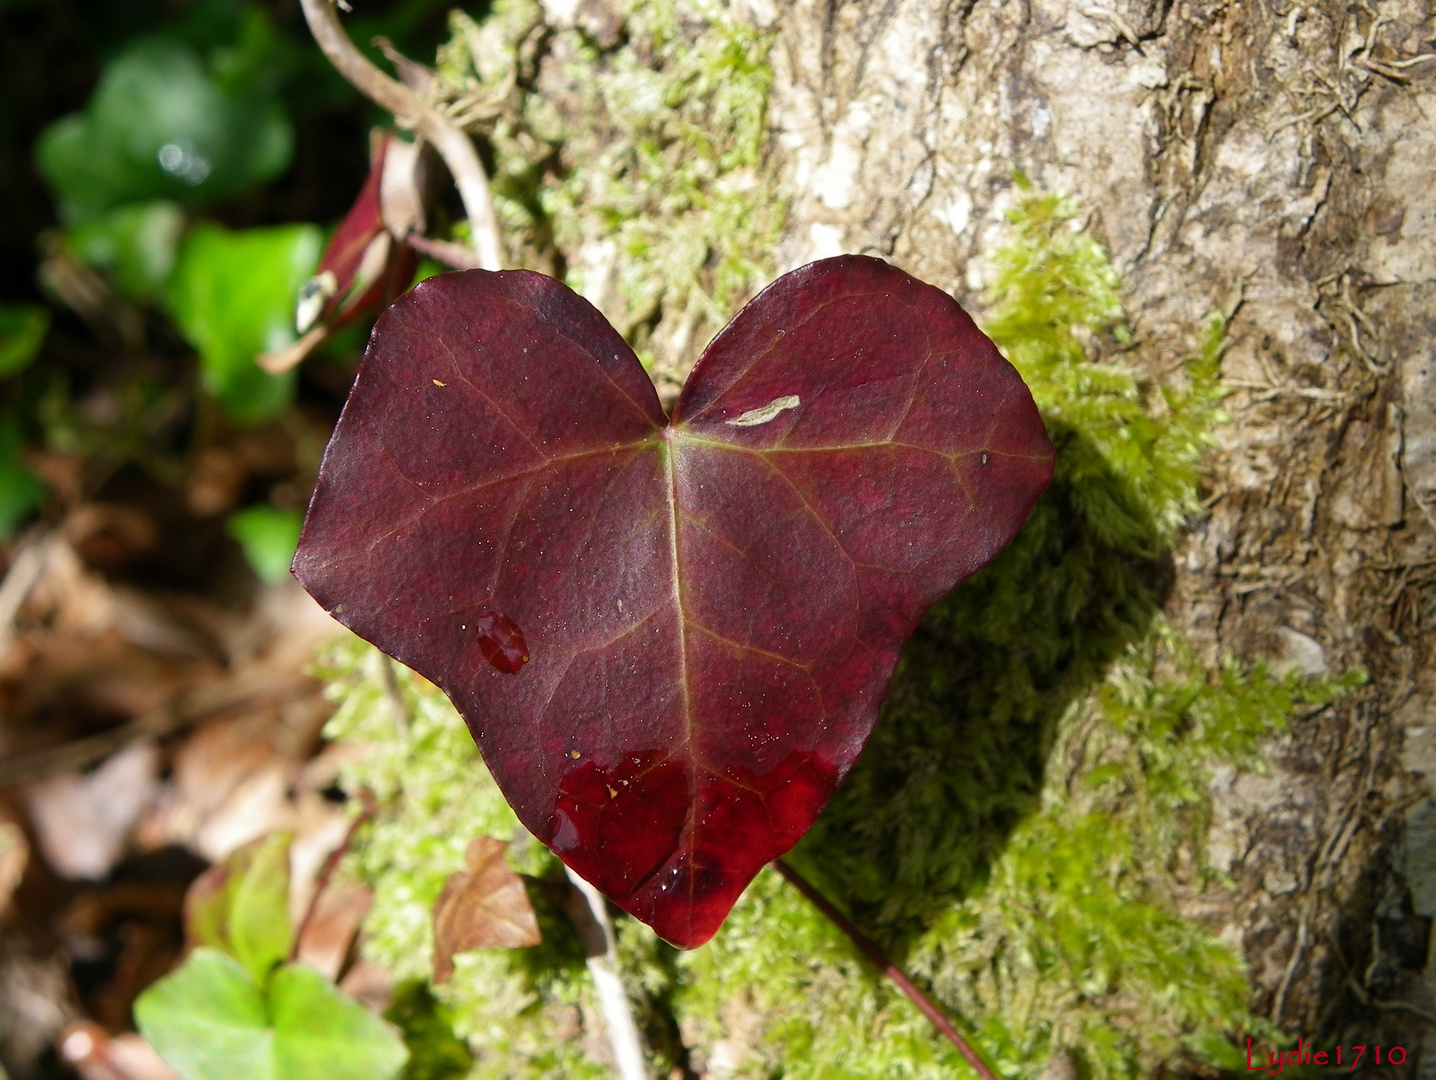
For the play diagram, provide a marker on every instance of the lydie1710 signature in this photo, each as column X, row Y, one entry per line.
column 1344, row 1057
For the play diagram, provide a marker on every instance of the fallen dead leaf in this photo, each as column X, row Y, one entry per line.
column 14, row 855
column 83, row 823
column 483, row 907
column 329, row 934
column 111, row 535
column 370, row 985
column 91, row 1051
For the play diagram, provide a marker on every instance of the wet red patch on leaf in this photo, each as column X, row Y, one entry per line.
column 715, row 603
column 501, row 642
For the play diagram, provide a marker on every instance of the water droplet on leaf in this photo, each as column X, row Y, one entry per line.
column 502, row 642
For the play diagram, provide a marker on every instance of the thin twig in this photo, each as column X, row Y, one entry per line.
column 157, row 723
column 444, row 251
column 291, row 356
column 590, row 919
column 409, row 108
column 395, row 695
column 331, row 863
column 879, row 959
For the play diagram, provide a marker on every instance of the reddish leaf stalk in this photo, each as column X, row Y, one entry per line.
column 321, row 882
column 870, row 949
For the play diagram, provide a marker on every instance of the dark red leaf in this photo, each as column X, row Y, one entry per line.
column 714, row 606
column 363, row 267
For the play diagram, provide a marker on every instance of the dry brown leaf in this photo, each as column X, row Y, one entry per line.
column 483, row 907
column 370, row 985
column 14, row 854
column 83, row 822
column 96, row 1055
column 328, row 936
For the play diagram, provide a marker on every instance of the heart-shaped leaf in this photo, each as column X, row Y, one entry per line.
column 210, row 1020
column 710, row 608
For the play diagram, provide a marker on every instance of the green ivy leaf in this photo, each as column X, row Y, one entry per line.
column 22, row 332
column 321, row 1033
column 20, row 490
column 136, row 243
column 210, row 1021
column 268, row 537
column 232, row 295
column 241, row 906
column 161, row 125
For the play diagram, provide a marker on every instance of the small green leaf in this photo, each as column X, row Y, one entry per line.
column 208, row 1020
column 136, row 243
column 268, row 537
column 160, row 125
column 232, row 295
column 22, row 332
column 321, row 1033
column 20, row 490
column 259, row 929
column 241, row 906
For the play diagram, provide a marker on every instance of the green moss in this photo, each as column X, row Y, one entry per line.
column 647, row 171
column 435, row 1052
column 434, row 796
column 1070, row 936
column 1032, row 810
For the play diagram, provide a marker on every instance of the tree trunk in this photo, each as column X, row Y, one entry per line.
column 1273, row 161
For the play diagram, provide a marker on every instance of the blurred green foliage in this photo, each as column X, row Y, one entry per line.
column 269, row 537
column 135, row 243
column 20, row 490
column 235, row 1007
column 241, row 907
column 211, row 1020
column 22, row 332
column 167, row 123
column 232, row 295
column 198, row 110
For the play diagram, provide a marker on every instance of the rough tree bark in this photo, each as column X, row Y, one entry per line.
column 1270, row 159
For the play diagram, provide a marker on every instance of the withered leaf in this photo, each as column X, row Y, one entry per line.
column 483, row 907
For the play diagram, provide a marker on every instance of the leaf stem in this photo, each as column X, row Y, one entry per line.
column 331, row 863
column 590, row 919
column 410, row 109
column 879, row 959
